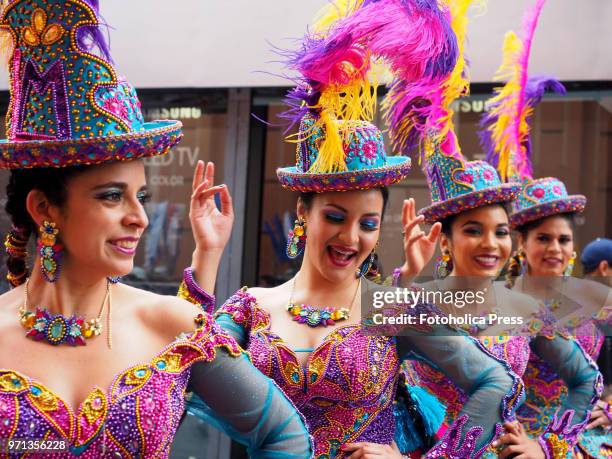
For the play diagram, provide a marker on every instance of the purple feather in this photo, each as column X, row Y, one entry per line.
column 298, row 100
column 534, row 91
column 538, row 85
column 90, row 37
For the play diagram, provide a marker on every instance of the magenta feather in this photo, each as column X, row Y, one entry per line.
column 505, row 134
column 413, row 37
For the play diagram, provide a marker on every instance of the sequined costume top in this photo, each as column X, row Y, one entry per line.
column 140, row 412
column 561, row 353
column 547, row 392
column 513, row 350
column 346, row 390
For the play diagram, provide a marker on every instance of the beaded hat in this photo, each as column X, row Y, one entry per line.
column 544, row 197
column 366, row 162
column 420, row 113
column 338, row 148
column 68, row 106
column 506, row 131
column 456, row 186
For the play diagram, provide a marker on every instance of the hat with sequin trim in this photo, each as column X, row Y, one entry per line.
column 338, row 148
column 457, row 186
column 366, row 164
column 506, row 131
column 67, row 104
column 544, row 197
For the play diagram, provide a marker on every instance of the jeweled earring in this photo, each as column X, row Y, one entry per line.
column 570, row 265
column 367, row 264
column 522, row 262
column 444, row 265
column 516, row 267
column 296, row 239
column 50, row 251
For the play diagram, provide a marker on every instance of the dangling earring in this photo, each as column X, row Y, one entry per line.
column 367, row 264
column 296, row 240
column 570, row 265
column 522, row 262
column 50, row 251
column 444, row 265
column 516, row 267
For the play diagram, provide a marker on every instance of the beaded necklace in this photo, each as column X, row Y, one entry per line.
column 318, row 315
column 55, row 329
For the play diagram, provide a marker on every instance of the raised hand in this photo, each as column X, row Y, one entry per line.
column 418, row 246
column 211, row 227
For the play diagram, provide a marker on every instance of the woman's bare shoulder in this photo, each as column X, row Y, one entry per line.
column 164, row 314
column 271, row 295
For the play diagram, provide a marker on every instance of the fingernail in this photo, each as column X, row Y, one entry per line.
column 494, row 444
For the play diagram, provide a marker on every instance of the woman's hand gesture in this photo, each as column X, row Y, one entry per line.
column 418, row 246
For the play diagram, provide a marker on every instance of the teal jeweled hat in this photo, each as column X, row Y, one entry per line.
column 67, row 105
column 457, row 186
column 542, row 198
column 365, row 162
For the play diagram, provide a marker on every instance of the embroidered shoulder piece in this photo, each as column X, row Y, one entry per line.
column 243, row 309
column 207, row 338
column 190, row 290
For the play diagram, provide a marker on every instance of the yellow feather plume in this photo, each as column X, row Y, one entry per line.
column 456, row 85
column 333, row 12
column 504, row 106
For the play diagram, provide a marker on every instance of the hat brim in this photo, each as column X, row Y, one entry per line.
column 573, row 203
column 397, row 168
column 156, row 139
column 494, row 195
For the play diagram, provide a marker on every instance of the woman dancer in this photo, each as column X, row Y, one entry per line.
column 306, row 333
column 543, row 216
column 466, row 204
column 90, row 367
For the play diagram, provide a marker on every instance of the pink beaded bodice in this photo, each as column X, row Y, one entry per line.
column 345, row 391
column 137, row 416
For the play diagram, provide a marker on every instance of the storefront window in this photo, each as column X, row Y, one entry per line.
column 570, row 140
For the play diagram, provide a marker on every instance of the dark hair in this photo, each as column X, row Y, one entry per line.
column 525, row 229
column 307, row 198
column 447, row 222
column 53, row 182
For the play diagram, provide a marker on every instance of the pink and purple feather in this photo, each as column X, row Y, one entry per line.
column 413, row 37
column 535, row 89
column 90, row 37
